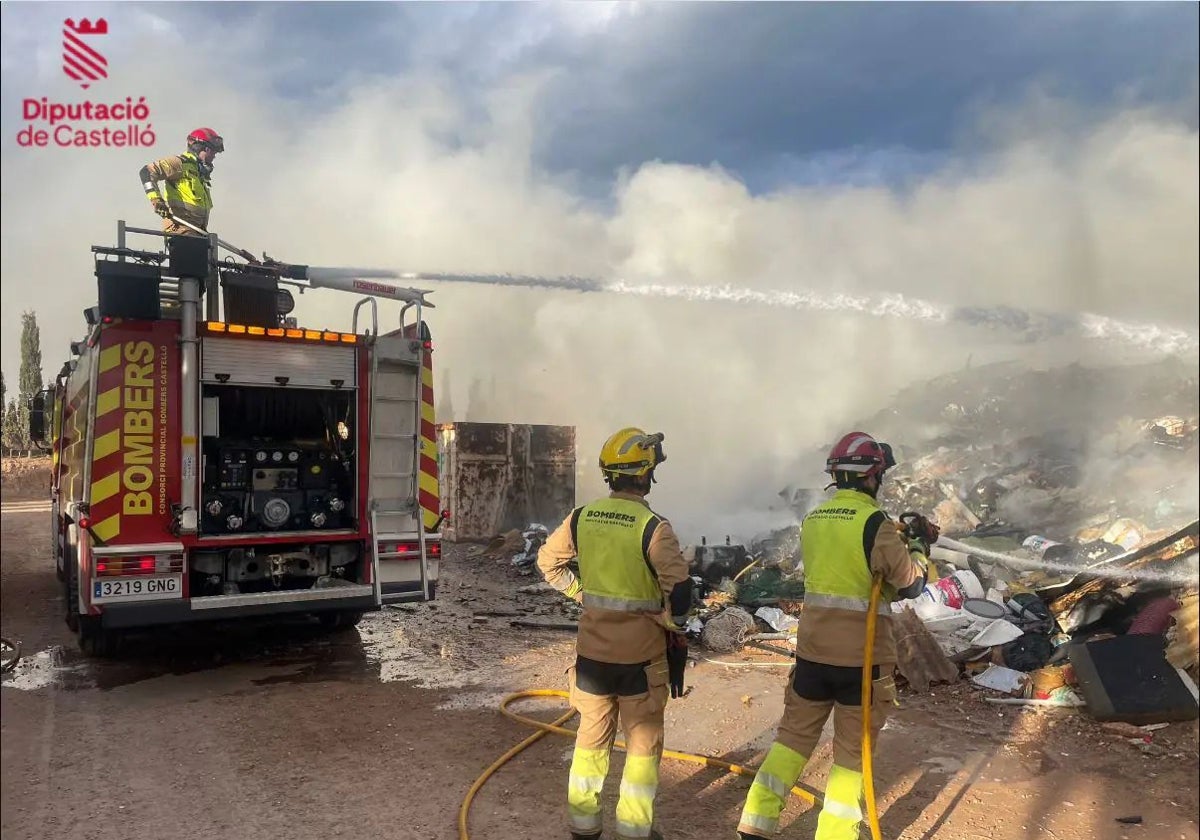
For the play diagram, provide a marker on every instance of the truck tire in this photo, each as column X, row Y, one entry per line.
column 70, row 589
column 97, row 642
column 342, row 620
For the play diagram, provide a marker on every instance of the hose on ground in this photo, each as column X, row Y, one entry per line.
column 557, row 728
column 10, row 660
column 868, row 656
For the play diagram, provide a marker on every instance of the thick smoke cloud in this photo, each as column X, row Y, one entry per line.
column 1090, row 214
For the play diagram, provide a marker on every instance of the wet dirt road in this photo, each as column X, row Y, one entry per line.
column 284, row 731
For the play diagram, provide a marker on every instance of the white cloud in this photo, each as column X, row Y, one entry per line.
column 404, row 173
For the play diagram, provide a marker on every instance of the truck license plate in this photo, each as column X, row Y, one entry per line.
column 138, row 589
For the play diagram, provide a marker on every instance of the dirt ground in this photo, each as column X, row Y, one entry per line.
column 266, row 731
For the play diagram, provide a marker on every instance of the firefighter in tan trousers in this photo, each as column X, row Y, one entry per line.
column 844, row 542
column 188, row 182
column 635, row 590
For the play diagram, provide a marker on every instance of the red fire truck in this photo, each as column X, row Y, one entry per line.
column 214, row 459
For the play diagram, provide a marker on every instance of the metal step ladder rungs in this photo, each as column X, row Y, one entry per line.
column 394, row 469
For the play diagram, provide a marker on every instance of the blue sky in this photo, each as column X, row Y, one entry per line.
column 774, row 92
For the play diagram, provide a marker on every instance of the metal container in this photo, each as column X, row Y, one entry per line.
column 499, row 476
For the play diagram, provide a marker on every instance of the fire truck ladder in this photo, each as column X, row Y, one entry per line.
column 394, row 470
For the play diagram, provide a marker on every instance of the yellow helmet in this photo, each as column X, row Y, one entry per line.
column 631, row 452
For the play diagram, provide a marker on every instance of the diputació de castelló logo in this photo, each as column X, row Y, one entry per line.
column 49, row 122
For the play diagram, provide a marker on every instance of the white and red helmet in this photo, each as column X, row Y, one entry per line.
column 860, row 454
column 206, row 137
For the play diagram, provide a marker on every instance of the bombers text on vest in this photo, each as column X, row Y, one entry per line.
column 611, row 537
column 837, row 572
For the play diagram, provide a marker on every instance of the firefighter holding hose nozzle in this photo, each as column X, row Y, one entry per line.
column 846, row 543
column 188, row 183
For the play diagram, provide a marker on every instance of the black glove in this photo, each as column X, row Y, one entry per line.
column 677, row 657
column 920, row 530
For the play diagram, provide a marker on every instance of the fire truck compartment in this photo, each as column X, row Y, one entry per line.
column 277, row 460
column 274, row 567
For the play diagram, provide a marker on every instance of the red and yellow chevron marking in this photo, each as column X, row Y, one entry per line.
column 428, row 478
column 56, row 429
column 106, row 469
column 135, row 439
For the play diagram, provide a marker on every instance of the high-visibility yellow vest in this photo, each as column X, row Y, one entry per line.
column 193, row 188
column 611, row 536
column 837, row 571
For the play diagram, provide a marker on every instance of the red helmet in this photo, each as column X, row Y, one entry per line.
column 207, row 137
column 861, row 454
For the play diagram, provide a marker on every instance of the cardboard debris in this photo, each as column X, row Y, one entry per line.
column 1183, row 649
column 504, row 545
column 919, row 658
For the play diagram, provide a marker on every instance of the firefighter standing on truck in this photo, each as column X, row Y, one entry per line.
column 635, row 589
column 188, row 179
column 845, row 542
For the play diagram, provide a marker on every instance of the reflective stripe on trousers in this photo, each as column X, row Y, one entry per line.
column 588, row 770
column 635, row 808
column 842, row 811
column 608, row 602
column 769, row 791
column 843, row 602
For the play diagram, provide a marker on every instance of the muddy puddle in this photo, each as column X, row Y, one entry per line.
column 414, row 645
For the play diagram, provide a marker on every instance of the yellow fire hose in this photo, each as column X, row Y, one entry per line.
column 557, row 728
column 868, row 655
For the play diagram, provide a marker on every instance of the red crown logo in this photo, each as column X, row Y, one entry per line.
column 82, row 62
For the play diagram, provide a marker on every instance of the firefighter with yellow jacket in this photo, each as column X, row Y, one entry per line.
column 188, row 183
column 635, row 590
column 845, row 542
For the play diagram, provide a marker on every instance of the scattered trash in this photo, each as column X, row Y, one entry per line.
column 1065, row 699
column 920, row 659
column 1155, row 617
column 715, row 563
column 1044, row 682
column 534, row 537
column 1001, row 679
column 777, row 618
column 727, row 632
column 1128, row 678
column 985, row 608
column 1183, row 650
column 10, row 655
column 998, row 632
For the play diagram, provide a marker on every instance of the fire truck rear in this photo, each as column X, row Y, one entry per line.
column 211, row 465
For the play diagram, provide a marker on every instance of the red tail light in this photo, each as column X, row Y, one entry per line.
column 144, row 564
column 413, row 549
column 85, row 522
